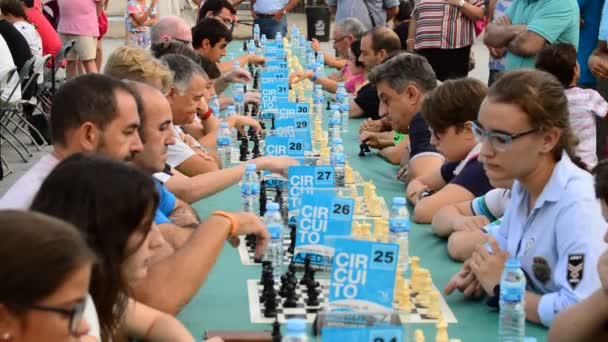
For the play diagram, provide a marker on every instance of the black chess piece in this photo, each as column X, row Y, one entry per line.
column 328, row 106
column 363, row 148
column 276, row 331
column 256, row 146
column 292, row 241
column 255, row 108
column 256, row 80
column 272, row 128
column 243, row 151
column 245, row 45
column 263, row 198
column 251, row 70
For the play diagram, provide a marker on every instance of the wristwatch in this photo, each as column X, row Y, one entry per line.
column 461, row 3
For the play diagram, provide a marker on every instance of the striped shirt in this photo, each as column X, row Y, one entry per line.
column 440, row 25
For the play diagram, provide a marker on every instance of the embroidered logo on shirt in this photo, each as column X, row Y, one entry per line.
column 576, row 263
column 541, row 269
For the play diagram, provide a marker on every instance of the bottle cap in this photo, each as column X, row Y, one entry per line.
column 398, row 200
column 250, row 167
column 513, row 263
column 223, row 125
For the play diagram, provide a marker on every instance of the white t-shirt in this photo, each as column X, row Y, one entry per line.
column 178, row 152
column 22, row 193
column 29, row 32
column 492, row 205
column 6, row 64
column 90, row 315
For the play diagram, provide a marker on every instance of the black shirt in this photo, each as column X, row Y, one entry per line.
column 420, row 137
column 367, row 99
column 402, row 30
column 17, row 44
column 472, row 177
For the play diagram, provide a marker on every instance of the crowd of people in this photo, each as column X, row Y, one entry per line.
column 511, row 167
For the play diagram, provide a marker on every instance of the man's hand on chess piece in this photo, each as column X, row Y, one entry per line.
column 240, row 121
column 257, row 60
column 239, row 75
column 253, row 97
column 274, row 164
column 488, row 267
column 249, row 223
column 371, row 139
column 370, row 125
column 299, row 76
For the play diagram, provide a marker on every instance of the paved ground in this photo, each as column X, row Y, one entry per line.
column 241, row 31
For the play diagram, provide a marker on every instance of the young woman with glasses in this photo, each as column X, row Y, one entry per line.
column 553, row 222
column 45, row 271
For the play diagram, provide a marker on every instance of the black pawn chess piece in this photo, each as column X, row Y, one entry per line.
column 251, row 70
column 363, row 148
column 276, row 331
column 328, row 106
column 263, row 198
column 272, row 128
column 292, row 240
column 245, row 45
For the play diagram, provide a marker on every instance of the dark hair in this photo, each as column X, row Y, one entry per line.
column 38, row 254
column 402, row 70
column 541, row 96
column 107, row 201
column 215, row 6
column 87, row 98
column 12, row 7
column 600, row 171
column 453, row 103
column 355, row 48
column 384, row 38
column 559, row 60
column 405, row 11
column 212, row 30
column 28, row 3
column 174, row 47
column 210, row 68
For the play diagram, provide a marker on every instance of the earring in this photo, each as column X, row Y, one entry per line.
column 6, row 336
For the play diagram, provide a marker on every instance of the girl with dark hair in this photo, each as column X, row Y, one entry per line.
column 43, row 291
column 115, row 211
column 553, row 222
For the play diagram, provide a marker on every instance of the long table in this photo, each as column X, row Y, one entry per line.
column 222, row 304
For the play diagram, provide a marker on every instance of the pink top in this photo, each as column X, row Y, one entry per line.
column 78, row 17
column 352, row 83
column 346, row 72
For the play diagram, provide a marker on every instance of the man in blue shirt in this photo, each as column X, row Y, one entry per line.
column 591, row 14
column 271, row 15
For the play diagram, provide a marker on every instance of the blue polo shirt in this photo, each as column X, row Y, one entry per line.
column 591, row 12
column 166, row 204
column 555, row 20
column 559, row 242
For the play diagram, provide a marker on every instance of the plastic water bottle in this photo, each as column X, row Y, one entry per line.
column 263, row 40
column 250, row 189
column 231, row 110
column 214, row 103
column 296, row 331
column 224, row 144
column 251, row 47
column 399, row 228
column 238, row 93
column 512, row 316
column 345, row 113
column 278, row 37
column 337, row 160
column 320, row 63
column 274, row 224
column 256, row 33
column 335, row 123
column 318, row 99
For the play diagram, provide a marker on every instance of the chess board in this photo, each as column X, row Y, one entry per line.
column 256, row 309
column 417, row 314
column 247, row 254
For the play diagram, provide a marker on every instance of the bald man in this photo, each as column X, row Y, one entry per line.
column 171, row 28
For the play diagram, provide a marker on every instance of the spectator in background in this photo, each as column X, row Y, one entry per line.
column 443, row 31
column 222, row 10
column 497, row 61
column 345, row 32
column 18, row 46
column 591, row 15
column 13, row 11
column 102, row 21
column 401, row 22
column 189, row 10
column 140, row 17
column 51, row 43
column 271, row 15
column 371, row 13
column 171, row 28
column 168, row 8
column 598, row 65
column 45, row 274
column 79, row 22
column 6, row 65
column 528, row 25
column 584, row 105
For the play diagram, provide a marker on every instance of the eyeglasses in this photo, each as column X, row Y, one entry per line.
column 500, row 141
column 227, row 21
column 75, row 314
column 336, row 41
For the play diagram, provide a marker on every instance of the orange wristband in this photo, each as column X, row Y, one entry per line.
column 233, row 220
